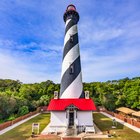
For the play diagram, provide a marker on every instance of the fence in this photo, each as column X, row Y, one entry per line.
column 125, row 119
column 9, row 123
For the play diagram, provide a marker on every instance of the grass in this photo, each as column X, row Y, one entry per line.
column 24, row 130
column 122, row 132
column 104, row 123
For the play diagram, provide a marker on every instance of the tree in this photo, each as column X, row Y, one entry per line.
column 44, row 100
column 23, row 110
column 111, row 94
column 7, row 105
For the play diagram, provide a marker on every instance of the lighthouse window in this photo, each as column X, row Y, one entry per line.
column 71, row 69
column 71, row 38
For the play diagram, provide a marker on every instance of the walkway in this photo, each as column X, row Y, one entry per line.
column 122, row 122
column 17, row 124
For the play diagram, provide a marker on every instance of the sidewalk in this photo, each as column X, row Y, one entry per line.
column 17, row 124
column 122, row 122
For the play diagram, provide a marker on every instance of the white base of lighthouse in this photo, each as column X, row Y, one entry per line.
column 80, row 118
column 70, row 116
column 60, row 121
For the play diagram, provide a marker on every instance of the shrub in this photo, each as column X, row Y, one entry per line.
column 11, row 117
column 23, row 110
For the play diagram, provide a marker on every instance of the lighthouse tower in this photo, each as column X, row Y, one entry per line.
column 71, row 110
column 71, row 76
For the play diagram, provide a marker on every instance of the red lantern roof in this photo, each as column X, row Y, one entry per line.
column 71, row 7
column 62, row 104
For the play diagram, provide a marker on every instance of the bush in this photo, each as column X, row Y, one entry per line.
column 11, row 117
column 23, row 110
column 1, row 121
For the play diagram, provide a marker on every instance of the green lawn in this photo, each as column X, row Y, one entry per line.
column 23, row 131
column 104, row 123
column 122, row 132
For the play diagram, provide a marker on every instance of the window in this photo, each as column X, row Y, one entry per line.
column 71, row 39
column 71, row 68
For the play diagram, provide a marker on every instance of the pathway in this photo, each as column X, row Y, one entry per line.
column 122, row 122
column 17, row 124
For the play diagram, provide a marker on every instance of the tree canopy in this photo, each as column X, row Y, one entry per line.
column 17, row 98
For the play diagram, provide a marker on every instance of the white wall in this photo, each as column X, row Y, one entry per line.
column 84, row 117
column 58, row 118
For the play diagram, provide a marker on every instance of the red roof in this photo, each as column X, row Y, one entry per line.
column 62, row 104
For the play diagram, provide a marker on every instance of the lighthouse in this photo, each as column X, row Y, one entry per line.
column 71, row 109
column 71, row 76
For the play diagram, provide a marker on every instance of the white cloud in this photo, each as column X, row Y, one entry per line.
column 99, row 68
column 91, row 31
column 35, row 66
column 12, row 68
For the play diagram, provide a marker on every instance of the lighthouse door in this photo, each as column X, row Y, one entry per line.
column 71, row 118
column 72, row 114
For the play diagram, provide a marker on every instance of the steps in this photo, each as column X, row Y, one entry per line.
column 71, row 132
column 70, row 138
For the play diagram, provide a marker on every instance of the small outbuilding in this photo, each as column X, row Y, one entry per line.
column 70, row 112
column 125, row 111
column 136, row 115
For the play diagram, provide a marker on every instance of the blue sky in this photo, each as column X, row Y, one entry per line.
column 32, row 34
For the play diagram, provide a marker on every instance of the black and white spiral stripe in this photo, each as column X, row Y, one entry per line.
column 71, row 84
